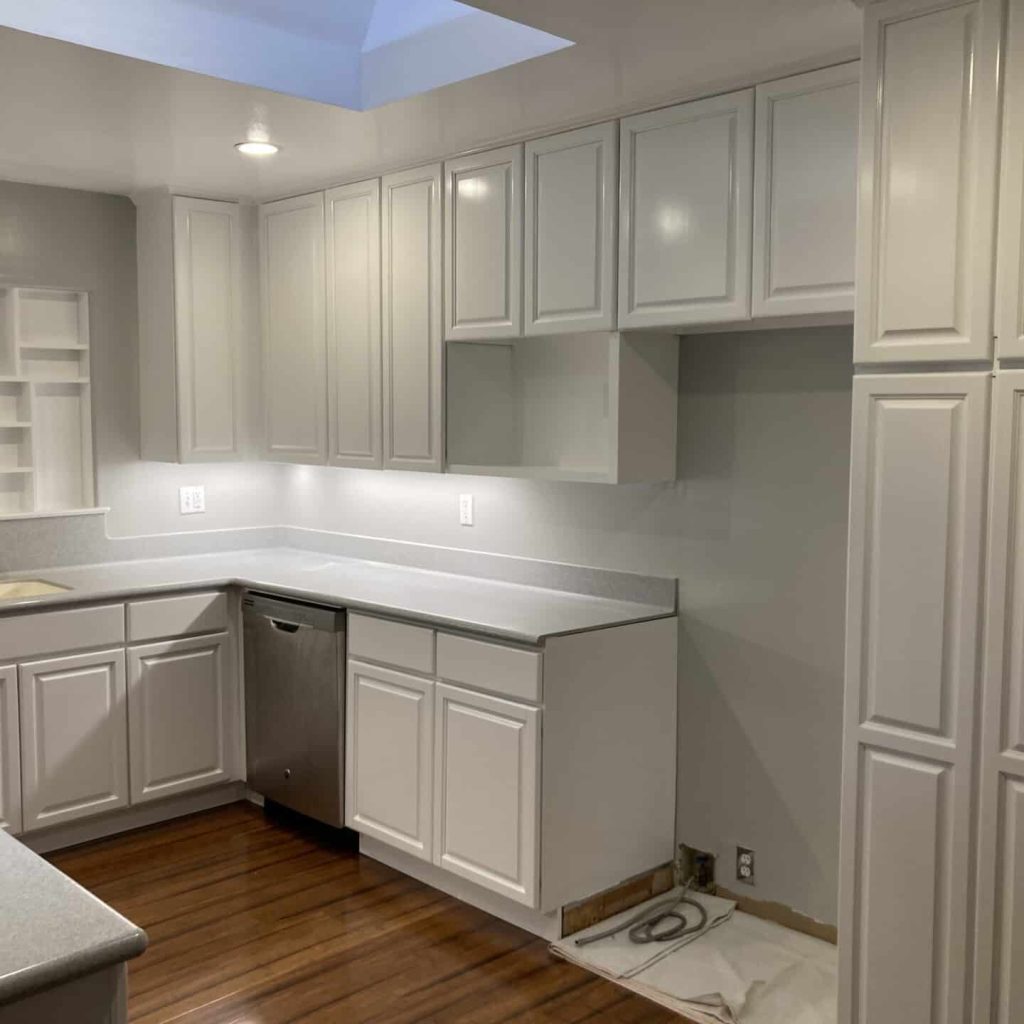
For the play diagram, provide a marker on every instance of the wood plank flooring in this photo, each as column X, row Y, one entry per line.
column 254, row 920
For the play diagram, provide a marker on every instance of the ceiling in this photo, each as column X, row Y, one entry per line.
column 84, row 118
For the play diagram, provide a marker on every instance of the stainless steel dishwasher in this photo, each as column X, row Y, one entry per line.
column 294, row 703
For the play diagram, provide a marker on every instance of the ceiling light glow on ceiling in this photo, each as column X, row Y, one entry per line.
column 256, row 148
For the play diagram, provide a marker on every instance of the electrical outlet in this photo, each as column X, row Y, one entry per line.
column 465, row 509
column 745, row 865
column 192, row 500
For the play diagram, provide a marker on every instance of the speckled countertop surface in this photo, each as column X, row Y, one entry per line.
column 51, row 929
column 505, row 610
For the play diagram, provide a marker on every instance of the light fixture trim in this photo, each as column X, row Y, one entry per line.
column 257, row 147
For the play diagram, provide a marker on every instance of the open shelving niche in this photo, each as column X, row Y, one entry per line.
column 597, row 407
column 46, row 462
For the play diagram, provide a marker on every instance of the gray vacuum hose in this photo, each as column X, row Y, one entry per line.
column 646, row 926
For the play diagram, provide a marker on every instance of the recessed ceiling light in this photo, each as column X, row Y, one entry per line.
column 257, row 148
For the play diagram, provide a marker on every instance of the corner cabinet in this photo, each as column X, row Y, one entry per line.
column 483, row 245
column 411, row 319
column 292, row 290
column 685, row 213
column 10, row 751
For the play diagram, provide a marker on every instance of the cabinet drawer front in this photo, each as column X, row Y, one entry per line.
column 28, row 635
column 508, row 671
column 181, row 615
column 393, row 643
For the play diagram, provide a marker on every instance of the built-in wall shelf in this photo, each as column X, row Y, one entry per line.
column 46, row 462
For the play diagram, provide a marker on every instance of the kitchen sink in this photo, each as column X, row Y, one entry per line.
column 11, row 589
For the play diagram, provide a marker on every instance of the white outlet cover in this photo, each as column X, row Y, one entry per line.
column 192, row 500
column 465, row 509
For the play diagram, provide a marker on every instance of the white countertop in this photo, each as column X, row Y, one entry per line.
column 506, row 610
column 51, row 929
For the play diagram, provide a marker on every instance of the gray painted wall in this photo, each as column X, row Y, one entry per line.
column 755, row 528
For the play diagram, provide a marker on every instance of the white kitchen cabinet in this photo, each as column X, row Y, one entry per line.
column 569, row 252
column 294, row 329
column 411, row 319
column 190, row 328
column 353, row 325
column 74, row 737
column 10, row 751
column 486, row 807
column 1010, row 290
column 928, row 152
column 805, row 193
column 685, row 213
column 914, row 598
column 483, row 245
column 183, row 716
column 389, row 781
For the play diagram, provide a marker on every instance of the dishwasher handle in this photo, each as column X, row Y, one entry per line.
column 283, row 626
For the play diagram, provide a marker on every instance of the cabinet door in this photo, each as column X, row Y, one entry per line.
column 183, row 716
column 805, row 193
column 927, row 181
column 571, row 205
column 483, row 245
column 10, row 751
column 917, row 516
column 1010, row 291
column 684, row 215
column 389, row 757
column 487, row 798
column 353, row 324
column 294, row 329
column 208, row 305
column 411, row 319
column 74, row 737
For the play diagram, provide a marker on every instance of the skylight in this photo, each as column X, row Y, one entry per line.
column 351, row 53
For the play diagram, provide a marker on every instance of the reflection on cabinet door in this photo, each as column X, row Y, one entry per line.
column 10, row 751
column 389, row 757
column 483, row 245
column 805, row 193
column 183, row 716
column 928, row 167
column 684, row 214
column 294, row 330
column 569, row 254
column 74, row 737
column 353, row 324
column 411, row 320
column 486, row 792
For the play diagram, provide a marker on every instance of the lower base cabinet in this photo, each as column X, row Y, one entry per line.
column 10, row 751
column 74, row 737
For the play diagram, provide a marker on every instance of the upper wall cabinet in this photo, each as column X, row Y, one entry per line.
column 190, row 309
column 411, row 319
column 805, row 193
column 294, row 329
column 685, row 213
column 483, row 238
column 353, row 325
column 927, row 182
column 570, row 265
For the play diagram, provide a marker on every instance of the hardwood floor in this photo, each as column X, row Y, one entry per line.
column 259, row 921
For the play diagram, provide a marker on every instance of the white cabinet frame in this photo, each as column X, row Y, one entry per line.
column 10, row 751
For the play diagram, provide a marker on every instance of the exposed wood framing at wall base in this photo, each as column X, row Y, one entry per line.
column 631, row 893
column 781, row 914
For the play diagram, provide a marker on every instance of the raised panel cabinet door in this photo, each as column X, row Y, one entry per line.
column 10, row 751
column 389, row 746
column 294, row 329
column 353, row 325
column 183, row 716
column 571, row 209
column 686, row 190
column 413, row 348
column 74, row 737
column 928, row 150
column 486, row 792
column 1010, row 288
column 805, row 193
column 483, row 245
column 917, row 518
column 208, row 313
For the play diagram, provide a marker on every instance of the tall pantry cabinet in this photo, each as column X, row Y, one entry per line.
column 919, row 508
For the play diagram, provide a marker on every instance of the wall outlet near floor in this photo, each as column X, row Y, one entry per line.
column 192, row 500
column 745, row 865
column 465, row 509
